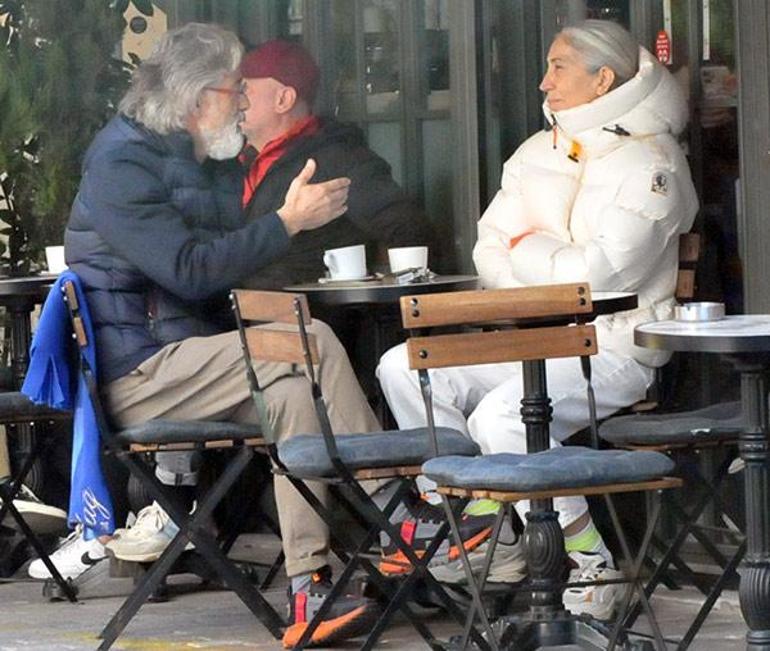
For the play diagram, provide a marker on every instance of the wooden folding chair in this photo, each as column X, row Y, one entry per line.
column 343, row 462
column 687, row 437
column 684, row 436
column 130, row 446
column 528, row 325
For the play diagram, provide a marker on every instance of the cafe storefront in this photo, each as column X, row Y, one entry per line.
column 445, row 90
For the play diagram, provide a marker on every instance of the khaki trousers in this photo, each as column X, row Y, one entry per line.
column 204, row 378
column 5, row 462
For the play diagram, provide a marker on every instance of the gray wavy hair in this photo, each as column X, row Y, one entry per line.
column 166, row 86
column 604, row 43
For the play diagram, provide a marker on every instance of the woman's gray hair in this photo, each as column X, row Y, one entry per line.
column 604, row 43
column 166, row 86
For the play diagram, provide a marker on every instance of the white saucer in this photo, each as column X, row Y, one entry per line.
column 339, row 281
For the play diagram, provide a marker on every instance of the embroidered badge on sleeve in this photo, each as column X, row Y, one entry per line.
column 660, row 183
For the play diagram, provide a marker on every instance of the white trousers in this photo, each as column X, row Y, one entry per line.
column 485, row 402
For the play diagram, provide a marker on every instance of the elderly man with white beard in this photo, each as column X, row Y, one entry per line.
column 157, row 237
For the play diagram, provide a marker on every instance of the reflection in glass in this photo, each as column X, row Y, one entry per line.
column 436, row 54
column 345, row 84
column 616, row 10
column 381, row 50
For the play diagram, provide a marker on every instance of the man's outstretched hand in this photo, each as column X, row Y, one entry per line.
column 311, row 205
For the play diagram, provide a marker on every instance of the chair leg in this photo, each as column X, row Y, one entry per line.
column 476, row 590
column 142, row 592
column 361, row 502
column 232, row 530
column 9, row 493
column 419, row 565
column 191, row 529
column 671, row 556
column 636, row 565
column 337, row 588
column 713, row 595
column 347, row 543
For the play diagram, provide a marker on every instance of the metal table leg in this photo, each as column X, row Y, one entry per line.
column 754, row 592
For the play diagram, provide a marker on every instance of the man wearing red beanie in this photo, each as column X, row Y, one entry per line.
column 283, row 133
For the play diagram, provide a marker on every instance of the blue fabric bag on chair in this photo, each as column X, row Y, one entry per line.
column 52, row 379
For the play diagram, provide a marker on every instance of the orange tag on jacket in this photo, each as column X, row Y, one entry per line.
column 515, row 240
column 575, row 151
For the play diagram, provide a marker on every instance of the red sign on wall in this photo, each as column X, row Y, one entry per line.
column 663, row 47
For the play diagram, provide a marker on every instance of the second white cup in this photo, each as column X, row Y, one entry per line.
column 346, row 263
column 408, row 257
column 54, row 257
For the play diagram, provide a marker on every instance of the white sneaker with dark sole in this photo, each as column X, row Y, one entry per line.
column 147, row 539
column 73, row 557
column 41, row 518
column 599, row 601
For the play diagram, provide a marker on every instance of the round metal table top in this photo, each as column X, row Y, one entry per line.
column 364, row 292
column 744, row 333
column 27, row 285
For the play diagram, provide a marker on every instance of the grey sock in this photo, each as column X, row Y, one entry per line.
column 300, row 582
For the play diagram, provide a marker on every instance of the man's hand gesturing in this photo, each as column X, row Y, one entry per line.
column 310, row 205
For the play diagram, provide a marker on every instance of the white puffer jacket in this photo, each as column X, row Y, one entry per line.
column 604, row 196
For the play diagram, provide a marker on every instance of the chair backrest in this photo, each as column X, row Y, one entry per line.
column 661, row 390
column 270, row 341
column 532, row 311
column 88, row 374
column 528, row 323
column 689, row 253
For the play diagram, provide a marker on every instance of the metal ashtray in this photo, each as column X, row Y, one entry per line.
column 699, row 311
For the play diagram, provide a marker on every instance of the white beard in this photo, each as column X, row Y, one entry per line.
column 223, row 143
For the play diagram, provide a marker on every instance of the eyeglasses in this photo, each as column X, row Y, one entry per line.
column 240, row 90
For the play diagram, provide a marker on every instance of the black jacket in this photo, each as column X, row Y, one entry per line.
column 158, row 239
column 379, row 213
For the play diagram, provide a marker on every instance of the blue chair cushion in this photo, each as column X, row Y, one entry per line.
column 15, row 407
column 713, row 423
column 179, row 431
column 562, row 467
column 305, row 455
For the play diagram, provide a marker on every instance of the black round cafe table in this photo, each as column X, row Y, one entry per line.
column 374, row 292
column 745, row 340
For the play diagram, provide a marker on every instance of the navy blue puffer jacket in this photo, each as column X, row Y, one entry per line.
column 157, row 239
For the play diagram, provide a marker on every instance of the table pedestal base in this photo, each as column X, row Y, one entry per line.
column 565, row 632
column 754, row 590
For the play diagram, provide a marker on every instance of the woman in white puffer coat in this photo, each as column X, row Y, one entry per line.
column 602, row 196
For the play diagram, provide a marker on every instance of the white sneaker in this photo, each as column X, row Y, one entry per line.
column 40, row 517
column 152, row 532
column 508, row 565
column 596, row 600
column 73, row 557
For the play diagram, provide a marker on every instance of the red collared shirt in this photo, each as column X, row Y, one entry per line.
column 272, row 151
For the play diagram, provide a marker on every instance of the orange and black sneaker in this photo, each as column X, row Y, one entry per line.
column 420, row 528
column 348, row 617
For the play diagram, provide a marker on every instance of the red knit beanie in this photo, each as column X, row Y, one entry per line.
column 288, row 62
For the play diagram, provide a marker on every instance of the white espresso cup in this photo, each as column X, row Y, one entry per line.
column 408, row 257
column 346, row 263
column 54, row 257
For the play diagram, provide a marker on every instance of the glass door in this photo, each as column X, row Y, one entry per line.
column 386, row 67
